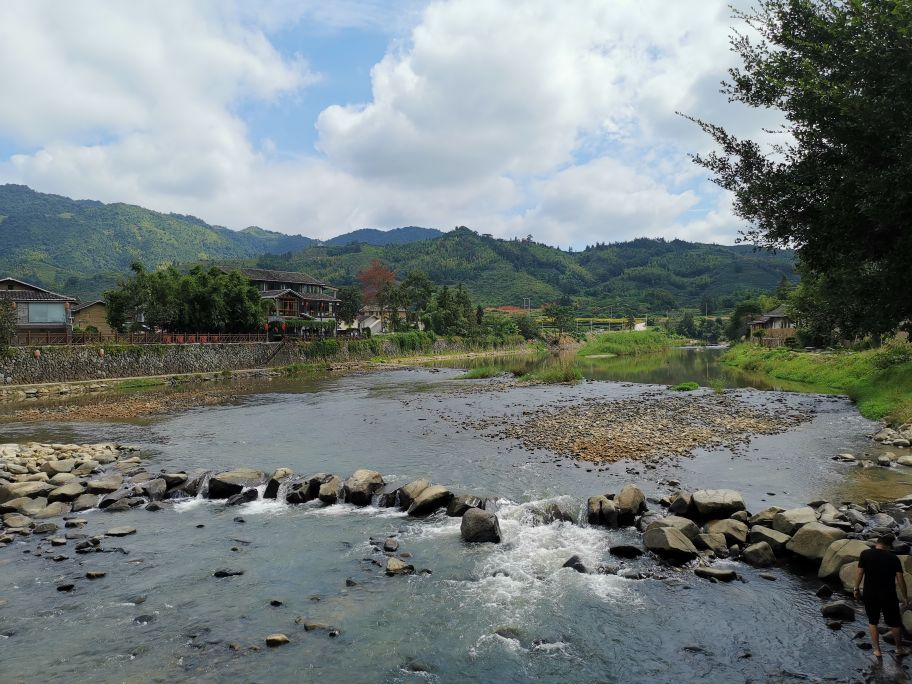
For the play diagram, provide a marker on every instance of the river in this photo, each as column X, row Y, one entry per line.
column 506, row 613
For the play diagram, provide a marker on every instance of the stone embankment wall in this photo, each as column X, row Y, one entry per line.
column 55, row 364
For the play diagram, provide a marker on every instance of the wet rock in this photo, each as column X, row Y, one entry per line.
column 360, row 488
column 27, row 506
column 109, row 500
column 824, row 592
column 460, row 504
column 629, row 502
column 66, row 587
column 227, row 572
column 330, row 490
column 307, row 489
column 776, row 540
column 712, row 542
column 274, row 640
column 174, row 479
column 95, row 574
column 601, row 511
column 480, row 526
column 15, row 490
column 847, row 458
column 408, row 493
column 154, row 489
column 839, row 610
column 85, row 502
column 718, row 574
column 760, row 555
column 684, row 525
column 16, row 520
column 768, row 576
column 812, row 540
column 741, row 516
column 681, row 504
column 75, row 522
column 230, row 482
column 118, row 506
column 791, row 520
column 120, row 531
column 429, row 500
column 669, row 543
column 391, row 544
column 625, row 551
column 245, row 496
column 904, row 460
column 275, row 481
column 153, row 507
column 837, row 554
column 53, row 510
column 45, row 528
column 576, row 563
column 735, row 532
column 105, row 485
column 394, row 566
column 550, row 512
column 65, row 465
column 717, row 503
column 275, row 603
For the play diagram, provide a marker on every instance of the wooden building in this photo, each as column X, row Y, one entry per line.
column 38, row 311
column 773, row 328
column 92, row 317
column 296, row 295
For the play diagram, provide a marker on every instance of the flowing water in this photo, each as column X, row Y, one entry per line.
column 506, row 613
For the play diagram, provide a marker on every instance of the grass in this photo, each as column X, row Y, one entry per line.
column 685, row 387
column 718, row 387
column 556, row 374
column 140, row 383
column 879, row 381
column 479, row 373
column 627, row 342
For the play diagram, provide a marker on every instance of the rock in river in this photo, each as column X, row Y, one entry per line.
column 274, row 640
column 776, row 540
column 330, row 490
column 685, row 526
column 231, row 482
column 839, row 553
column 840, row 610
column 576, row 563
column 718, row 574
column 602, row 511
column 246, row 496
column 120, row 531
column 360, row 488
column 430, row 499
column 480, row 526
column 812, row 540
column 630, row 502
column 735, row 532
column 272, row 487
column 717, row 503
column 759, row 555
column 669, row 543
column 788, row 522
column 460, row 504
column 394, row 566
column 408, row 493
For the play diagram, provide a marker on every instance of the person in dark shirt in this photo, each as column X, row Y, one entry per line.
column 882, row 573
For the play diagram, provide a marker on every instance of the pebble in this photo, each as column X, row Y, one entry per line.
column 276, row 640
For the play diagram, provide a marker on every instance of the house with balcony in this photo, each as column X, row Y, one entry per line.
column 295, row 295
column 39, row 312
column 773, row 328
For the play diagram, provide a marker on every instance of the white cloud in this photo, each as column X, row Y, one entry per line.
column 550, row 118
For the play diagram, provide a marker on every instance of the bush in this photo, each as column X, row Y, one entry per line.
column 479, row 373
column 685, row 387
column 628, row 342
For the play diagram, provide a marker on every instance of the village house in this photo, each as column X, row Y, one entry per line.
column 38, row 311
column 295, row 295
column 92, row 317
column 773, row 328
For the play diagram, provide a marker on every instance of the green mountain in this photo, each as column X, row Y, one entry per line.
column 644, row 275
column 396, row 236
column 80, row 246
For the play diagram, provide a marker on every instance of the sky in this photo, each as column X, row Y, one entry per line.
column 551, row 119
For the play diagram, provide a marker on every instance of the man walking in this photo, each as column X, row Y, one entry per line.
column 882, row 572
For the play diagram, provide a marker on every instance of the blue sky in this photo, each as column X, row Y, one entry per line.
column 551, row 119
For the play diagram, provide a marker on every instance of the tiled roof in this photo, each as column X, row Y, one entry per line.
column 273, row 294
column 80, row 307
column 32, row 296
column 318, row 297
column 265, row 274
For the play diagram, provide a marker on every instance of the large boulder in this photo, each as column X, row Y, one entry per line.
column 105, row 485
column 360, row 488
column 307, row 489
column 15, row 490
column 712, row 542
column 17, row 520
column 630, row 502
column 788, row 522
column 765, row 517
column 394, row 566
column 53, row 510
column 275, row 481
column 407, row 494
column 759, row 555
column 735, row 531
column 847, row 576
column 776, row 540
column 330, row 490
column 231, row 482
column 717, row 574
column 812, row 540
column 681, row 504
column 480, row 526
column 65, row 465
column 837, row 554
column 670, row 544
column 430, row 499
column 684, row 525
column 67, row 492
column 24, row 505
column 85, row 502
column 717, row 503
column 153, row 489
column 600, row 510
column 460, row 504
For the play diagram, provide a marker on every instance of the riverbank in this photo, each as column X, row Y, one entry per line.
column 879, row 381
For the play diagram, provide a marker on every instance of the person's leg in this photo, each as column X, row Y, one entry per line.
column 894, row 622
column 897, row 639
column 875, row 639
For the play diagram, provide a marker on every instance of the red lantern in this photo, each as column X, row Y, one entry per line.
column 266, row 327
column 283, row 327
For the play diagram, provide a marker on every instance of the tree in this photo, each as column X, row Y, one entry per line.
column 737, row 323
column 8, row 318
column 373, row 278
column 562, row 314
column 349, row 303
column 687, row 326
column 526, row 327
column 836, row 187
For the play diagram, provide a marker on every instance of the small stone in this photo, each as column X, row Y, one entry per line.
column 65, row 587
column 274, row 640
column 120, row 531
column 275, row 603
column 768, row 576
column 824, row 592
column 394, row 566
column 95, row 574
column 225, row 572
column 717, row 574
column 839, row 610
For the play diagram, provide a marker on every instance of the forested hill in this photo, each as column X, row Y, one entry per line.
column 80, row 246
column 396, row 236
column 645, row 275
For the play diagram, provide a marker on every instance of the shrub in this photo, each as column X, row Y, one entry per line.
column 685, row 387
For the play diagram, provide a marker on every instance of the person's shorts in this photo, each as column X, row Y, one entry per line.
column 889, row 607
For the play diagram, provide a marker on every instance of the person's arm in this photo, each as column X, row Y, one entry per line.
column 860, row 576
column 901, row 583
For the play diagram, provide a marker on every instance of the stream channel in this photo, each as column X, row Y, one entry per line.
column 489, row 613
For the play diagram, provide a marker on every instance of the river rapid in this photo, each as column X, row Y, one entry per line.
column 492, row 613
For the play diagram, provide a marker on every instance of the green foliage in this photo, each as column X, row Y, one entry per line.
column 8, row 318
column 627, row 342
column 350, row 303
column 199, row 301
column 718, row 385
column 526, row 327
column 562, row 314
column 479, row 373
column 878, row 380
column 564, row 372
column 835, row 187
column 685, row 387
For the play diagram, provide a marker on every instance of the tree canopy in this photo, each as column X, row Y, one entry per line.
column 838, row 186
